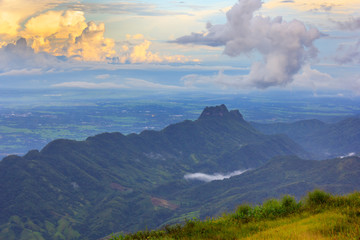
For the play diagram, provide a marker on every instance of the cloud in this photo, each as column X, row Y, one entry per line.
column 14, row 12
column 57, row 24
column 312, row 78
column 126, row 83
column 323, row 8
column 89, row 85
column 34, row 71
column 208, row 178
column 141, row 9
column 103, row 76
column 91, row 45
column 137, row 50
column 308, row 78
column 284, row 46
column 335, row 6
column 352, row 24
column 15, row 56
column 352, row 154
column 142, row 84
column 348, row 53
column 65, row 33
column 221, row 79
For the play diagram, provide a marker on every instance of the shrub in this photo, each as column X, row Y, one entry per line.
column 317, row 198
column 243, row 212
column 271, row 208
column 289, row 204
column 354, row 199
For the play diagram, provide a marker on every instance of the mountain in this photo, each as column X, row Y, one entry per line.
column 322, row 140
column 109, row 182
column 287, row 175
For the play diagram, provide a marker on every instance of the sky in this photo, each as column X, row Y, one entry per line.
column 181, row 46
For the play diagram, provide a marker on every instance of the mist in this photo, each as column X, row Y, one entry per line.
column 212, row 177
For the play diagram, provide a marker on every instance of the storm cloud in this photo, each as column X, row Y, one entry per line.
column 284, row 46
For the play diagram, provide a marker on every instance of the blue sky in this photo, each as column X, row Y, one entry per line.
column 215, row 46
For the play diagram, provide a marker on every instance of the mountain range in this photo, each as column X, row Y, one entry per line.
column 112, row 182
column 322, row 140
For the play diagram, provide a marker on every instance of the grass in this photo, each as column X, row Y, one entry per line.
column 318, row 216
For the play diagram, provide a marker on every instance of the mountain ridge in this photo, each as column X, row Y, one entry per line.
column 320, row 139
column 108, row 182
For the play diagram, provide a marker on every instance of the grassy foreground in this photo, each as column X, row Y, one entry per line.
column 318, row 216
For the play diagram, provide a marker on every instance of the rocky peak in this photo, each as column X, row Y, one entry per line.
column 220, row 111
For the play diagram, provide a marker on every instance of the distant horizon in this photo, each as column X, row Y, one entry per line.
column 30, row 121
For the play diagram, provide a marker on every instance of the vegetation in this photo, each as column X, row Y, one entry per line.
column 319, row 138
column 114, row 182
column 318, row 216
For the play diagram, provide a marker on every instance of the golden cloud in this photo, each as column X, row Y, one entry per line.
column 14, row 12
column 91, row 45
column 56, row 23
column 67, row 33
column 137, row 50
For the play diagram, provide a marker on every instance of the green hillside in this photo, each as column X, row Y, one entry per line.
column 317, row 216
column 322, row 140
column 88, row 189
column 279, row 176
column 113, row 182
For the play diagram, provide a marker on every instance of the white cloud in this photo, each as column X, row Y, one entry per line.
column 127, row 83
column 212, row 177
column 220, row 79
column 103, row 76
column 142, row 84
column 351, row 24
column 307, row 78
column 17, row 72
column 348, row 53
column 122, row 8
column 285, row 46
column 352, row 154
column 89, row 85
column 314, row 79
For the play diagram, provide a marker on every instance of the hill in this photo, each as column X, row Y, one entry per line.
column 88, row 189
column 318, row 216
column 322, row 140
column 279, row 176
